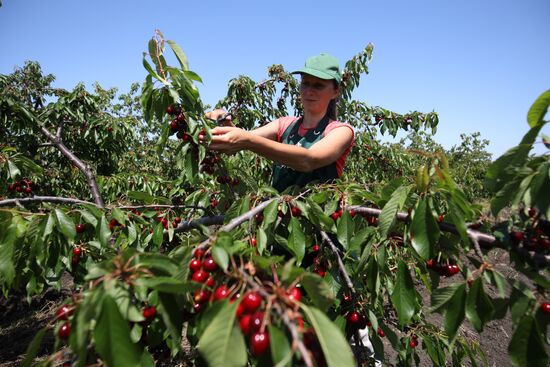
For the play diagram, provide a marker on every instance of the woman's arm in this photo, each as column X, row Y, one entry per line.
column 326, row 151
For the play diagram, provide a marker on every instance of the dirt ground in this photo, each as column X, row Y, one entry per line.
column 19, row 322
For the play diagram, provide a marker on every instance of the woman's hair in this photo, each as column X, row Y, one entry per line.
column 332, row 109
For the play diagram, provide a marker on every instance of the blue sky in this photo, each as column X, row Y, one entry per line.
column 478, row 63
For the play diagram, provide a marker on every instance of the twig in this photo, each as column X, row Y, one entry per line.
column 43, row 199
column 166, row 206
column 248, row 215
column 204, row 221
column 341, row 266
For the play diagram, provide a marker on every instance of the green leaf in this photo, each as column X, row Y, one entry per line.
column 404, row 295
column 318, row 291
column 222, row 343
column 441, row 296
column 333, row 343
column 33, row 348
column 158, row 234
column 221, row 257
column 103, row 231
column 538, row 110
column 142, row 196
column 7, row 267
column 270, row 213
column 454, row 315
column 527, row 347
column 166, row 285
column 389, row 211
column 280, row 347
column 179, row 55
column 345, row 230
column 424, row 230
column 65, row 224
column 261, row 240
column 296, row 240
column 112, row 337
column 13, row 170
column 479, row 308
column 170, row 311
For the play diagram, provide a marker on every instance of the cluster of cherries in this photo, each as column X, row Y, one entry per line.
column 443, row 269
column 163, row 218
column 536, row 237
column 23, row 186
column 178, row 124
column 78, row 254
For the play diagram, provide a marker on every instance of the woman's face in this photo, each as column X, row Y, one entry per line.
column 316, row 93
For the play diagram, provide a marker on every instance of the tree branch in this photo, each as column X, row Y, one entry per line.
column 248, row 215
column 476, row 237
column 341, row 266
column 90, row 177
column 43, row 199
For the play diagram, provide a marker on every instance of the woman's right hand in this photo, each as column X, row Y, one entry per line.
column 218, row 113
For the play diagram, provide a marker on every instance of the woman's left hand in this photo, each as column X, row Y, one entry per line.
column 229, row 140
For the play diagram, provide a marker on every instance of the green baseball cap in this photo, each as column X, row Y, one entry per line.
column 323, row 66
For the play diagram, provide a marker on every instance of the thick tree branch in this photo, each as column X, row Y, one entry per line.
column 90, row 177
column 476, row 237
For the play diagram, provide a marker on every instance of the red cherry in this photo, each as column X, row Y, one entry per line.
column 295, row 294
column 11, row 187
column 430, row 263
column 352, row 213
column 532, row 212
column 452, row 269
column 545, row 307
column 413, row 343
column 199, row 253
column 517, row 237
column 296, row 212
column 28, row 190
column 381, row 333
column 335, row 216
column 202, row 296
column 63, row 312
column 244, row 324
column 253, row 242
column 256, row 321
column 251, row 301
column 170, row 110
column 81, row 227
column 209, row 264
column 210, row 282
column 221, row 292
column 77, row 251
column 259, row 343
column 259, row 218
column 353, row 318
column 441, row 218
column 149, row 313
column 195, row 265
column 200, row 276
column 64, row 331
column 197, row 307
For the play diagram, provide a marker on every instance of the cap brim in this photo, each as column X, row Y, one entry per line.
column 316, row 73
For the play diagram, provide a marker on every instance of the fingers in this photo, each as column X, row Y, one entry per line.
column 215, row 114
